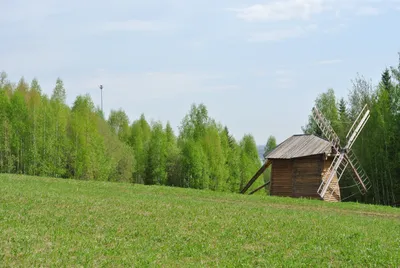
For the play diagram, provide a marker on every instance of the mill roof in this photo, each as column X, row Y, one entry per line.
column 300, row 146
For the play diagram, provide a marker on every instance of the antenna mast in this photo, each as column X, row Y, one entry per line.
column 101, row 90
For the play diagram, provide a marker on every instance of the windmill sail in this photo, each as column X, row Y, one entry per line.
column 356, row 172
column 343, row 157
column 359, row 175
column 326, row 128
column 337, row 167
column 337, row 164
column 357, row 126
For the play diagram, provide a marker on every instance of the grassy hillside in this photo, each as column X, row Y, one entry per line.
column 55, row 222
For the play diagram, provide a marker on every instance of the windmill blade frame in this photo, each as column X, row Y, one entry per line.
column 356, row 128
column 337, row 162
column 356, row 172
column 359, row 175
column 337, row 167
column 326, row 128
column 343, row 157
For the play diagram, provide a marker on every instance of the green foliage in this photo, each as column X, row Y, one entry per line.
column 386, row 80
column 344, row 120
column 194, row 166
column 326, row 103
column 156, row 165
column 378, row 146
column 271, row 145
column 48, row 222
column 6, row 162
column 139, row 141
column 173, row 157
column 18, row 114
column 249, row 161
column 42, row 135
column 119, row 123
column 59, row 94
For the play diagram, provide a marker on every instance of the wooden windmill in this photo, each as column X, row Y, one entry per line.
column 309, row 166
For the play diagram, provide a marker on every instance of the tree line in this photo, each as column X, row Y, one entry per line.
column 378, row 146
column 41, row 135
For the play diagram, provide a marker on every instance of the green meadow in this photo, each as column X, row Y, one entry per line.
column 57, row 222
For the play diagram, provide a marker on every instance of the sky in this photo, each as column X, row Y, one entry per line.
column 257, row 65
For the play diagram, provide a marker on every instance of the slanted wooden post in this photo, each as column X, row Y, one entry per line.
column 259, row 188
column 255, row 177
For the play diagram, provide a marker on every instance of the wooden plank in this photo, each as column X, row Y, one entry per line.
column 255, row 177
column 308, row 176
column 281, row 177
column 336, row 195
column 259, row 188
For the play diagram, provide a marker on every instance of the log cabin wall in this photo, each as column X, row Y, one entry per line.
column 306, row 176
column 281, row 178
column 335, row 197
column 301, row 177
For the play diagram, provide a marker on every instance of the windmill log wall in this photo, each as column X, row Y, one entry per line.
column 300, row 177
column 307, row 176
column 281, row 178
column 335, row 197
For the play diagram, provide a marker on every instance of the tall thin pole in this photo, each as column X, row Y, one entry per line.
column 101, row 90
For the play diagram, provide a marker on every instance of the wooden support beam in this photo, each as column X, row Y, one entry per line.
column 259, row 188
column 255, row 177
column 357, row 175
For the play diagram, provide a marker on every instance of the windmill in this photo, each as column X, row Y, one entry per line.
column 344, row 156
column 309, row 166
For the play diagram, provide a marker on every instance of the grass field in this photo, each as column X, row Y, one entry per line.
column 56, row 222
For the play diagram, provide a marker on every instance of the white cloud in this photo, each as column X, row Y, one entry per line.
column 281, row 10
column 281, row 34
column 288, row 17
column 285, row 10
column 326, row 62
column 136, row 25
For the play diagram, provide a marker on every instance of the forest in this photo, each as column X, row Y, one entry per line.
column 378, row 146
column 42, row 135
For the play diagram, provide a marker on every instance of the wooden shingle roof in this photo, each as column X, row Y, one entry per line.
column 300, row 146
